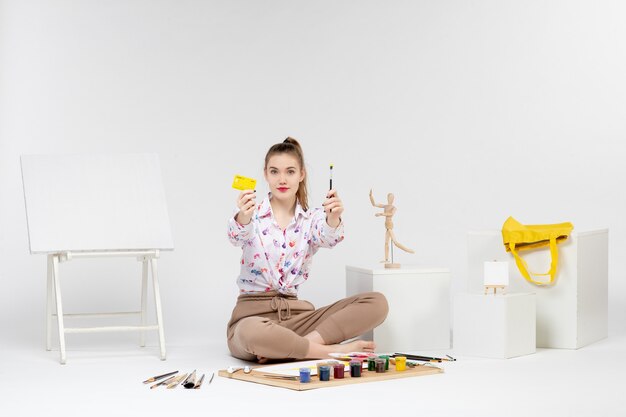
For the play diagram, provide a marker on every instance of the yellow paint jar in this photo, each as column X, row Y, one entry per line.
column 400, row 363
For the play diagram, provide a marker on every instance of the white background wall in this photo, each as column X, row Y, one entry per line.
column 469, row 111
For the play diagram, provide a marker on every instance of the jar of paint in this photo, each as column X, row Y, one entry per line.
column 305, row 375
column 355, row 369
column 371, row 364
column 400, row 363
column 380, row 365
column 338, row 370
column 324, row 373
column 332, row 364
column 386, row 358
column 320, row 364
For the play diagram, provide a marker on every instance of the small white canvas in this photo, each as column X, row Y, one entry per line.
column 496, row 273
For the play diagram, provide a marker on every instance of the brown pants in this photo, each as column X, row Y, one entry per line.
column 273, row 326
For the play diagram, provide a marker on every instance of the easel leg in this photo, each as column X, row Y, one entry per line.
column 144, row 299
column 59, row 305
column 157, row 303
column 49, row 296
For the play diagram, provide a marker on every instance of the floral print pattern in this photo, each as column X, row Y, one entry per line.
column 275, row 259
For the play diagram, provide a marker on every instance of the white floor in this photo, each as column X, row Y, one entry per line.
column 107, row 381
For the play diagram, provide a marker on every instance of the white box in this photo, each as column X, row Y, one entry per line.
column 574, row 311
column 494, row 326
column 419, row 306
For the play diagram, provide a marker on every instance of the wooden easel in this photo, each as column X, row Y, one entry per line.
column 495, row 276
column 495, row 289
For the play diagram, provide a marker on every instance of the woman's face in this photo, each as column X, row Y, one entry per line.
column 283, row 174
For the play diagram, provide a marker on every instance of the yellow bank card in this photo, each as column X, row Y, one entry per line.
column 244, row 183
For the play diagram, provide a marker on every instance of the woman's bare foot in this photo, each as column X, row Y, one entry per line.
column 318, row 349
column 321, row 351
column 261, row 359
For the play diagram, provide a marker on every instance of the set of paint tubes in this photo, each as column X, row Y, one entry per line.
column 172, row 380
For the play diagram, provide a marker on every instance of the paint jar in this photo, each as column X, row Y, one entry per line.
column 371, row 364
column 319, row 365
column 355, row 369
column 338, row 370
column 386, row 358
column 324, row 373
column 400, row 363
column 305, row 375
column 380, row 365
column 331, row 365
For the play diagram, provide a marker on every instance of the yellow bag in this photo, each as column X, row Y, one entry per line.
column 517, row 236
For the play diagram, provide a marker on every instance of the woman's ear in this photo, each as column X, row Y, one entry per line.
column 302, row 175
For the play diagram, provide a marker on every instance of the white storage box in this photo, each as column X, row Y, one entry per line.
column 574, row 311
column 494, row 326
column 419, row 306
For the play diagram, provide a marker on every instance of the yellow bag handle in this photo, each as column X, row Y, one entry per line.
column 523, row 268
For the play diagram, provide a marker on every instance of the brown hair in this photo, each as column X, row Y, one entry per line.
column 291, row 146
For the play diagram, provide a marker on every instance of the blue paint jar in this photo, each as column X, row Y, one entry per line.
column 324, row 373
column 305, row 375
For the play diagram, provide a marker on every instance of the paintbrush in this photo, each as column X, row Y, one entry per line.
column 331, row 181
column 199, row 383
column 164, row 382
column 156, row 378
column 176, row 381
column 285, row 377
column 425, row 358
column 190, row 381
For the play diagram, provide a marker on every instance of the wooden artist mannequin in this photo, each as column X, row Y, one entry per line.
column 388, row 211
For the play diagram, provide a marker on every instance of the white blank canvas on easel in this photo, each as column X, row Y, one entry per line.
column 496, row 273
column 95, row 202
